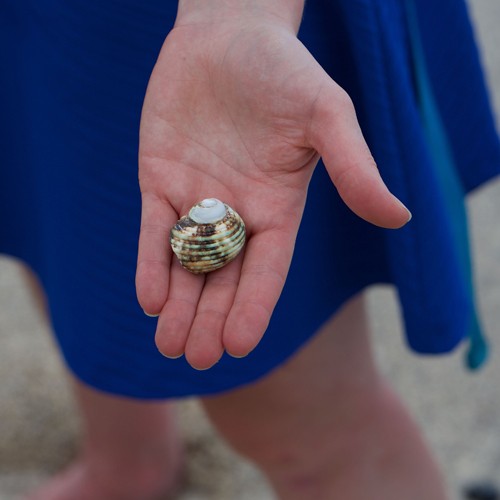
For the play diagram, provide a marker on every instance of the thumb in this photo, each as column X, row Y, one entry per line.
column 335, row 134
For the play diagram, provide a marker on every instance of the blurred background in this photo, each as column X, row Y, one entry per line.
column 459, row 412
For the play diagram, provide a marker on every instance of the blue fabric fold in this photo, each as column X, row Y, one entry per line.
column 451, row 185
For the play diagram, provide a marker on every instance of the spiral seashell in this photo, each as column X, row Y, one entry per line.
column 209, row 237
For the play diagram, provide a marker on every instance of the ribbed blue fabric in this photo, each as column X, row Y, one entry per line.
column 73, row 79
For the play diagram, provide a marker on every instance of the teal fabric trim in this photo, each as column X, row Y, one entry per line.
column 452, row 188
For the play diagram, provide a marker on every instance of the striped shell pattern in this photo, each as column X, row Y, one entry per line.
column 209, row 237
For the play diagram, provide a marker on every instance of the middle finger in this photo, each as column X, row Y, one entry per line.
column 204, row 346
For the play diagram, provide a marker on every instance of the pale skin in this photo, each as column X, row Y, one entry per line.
column 325, row 425
column 238, row 109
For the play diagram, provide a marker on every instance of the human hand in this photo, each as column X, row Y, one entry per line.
column 238, row 109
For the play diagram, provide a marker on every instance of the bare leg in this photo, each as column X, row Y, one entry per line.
column 130, row 450
column 326, row 425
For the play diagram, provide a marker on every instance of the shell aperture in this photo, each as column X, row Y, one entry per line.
column 209, row 237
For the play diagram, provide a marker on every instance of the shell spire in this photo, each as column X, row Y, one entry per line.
column 209, row 237
column 208, row 211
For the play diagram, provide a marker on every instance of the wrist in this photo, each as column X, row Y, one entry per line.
column 286, row 12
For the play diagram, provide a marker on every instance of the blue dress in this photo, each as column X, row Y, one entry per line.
column 72, row 83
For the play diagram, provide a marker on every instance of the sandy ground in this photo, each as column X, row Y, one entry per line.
column 459, row 412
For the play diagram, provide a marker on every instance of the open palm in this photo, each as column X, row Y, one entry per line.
column 240, row 111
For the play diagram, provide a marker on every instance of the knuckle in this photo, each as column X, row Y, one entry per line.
column 343, row 101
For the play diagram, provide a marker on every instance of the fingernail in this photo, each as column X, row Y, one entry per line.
column 409, row 215
column 237, row 357
column 177, row 356
column 406, row 208
column 151, row 315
